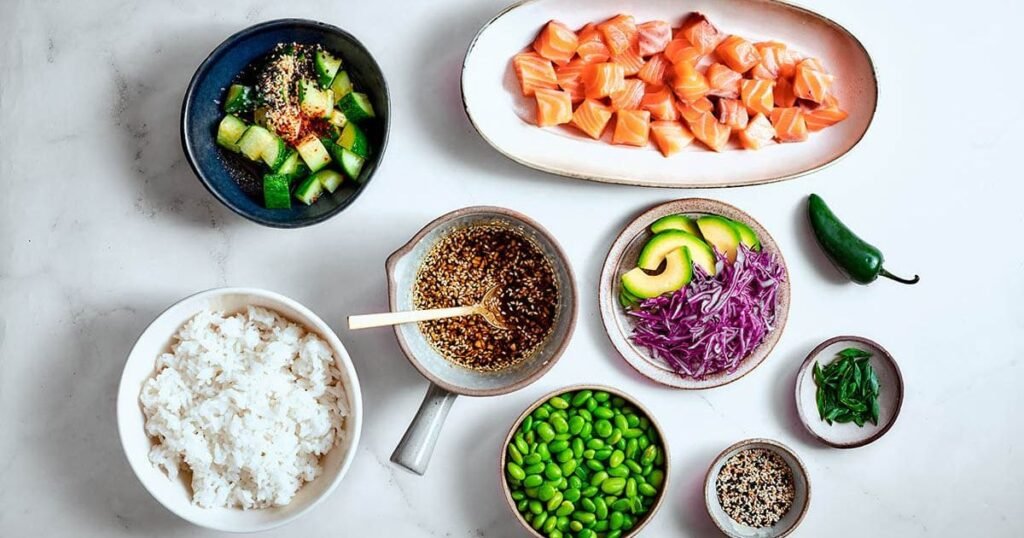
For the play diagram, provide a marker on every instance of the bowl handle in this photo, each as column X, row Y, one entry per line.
column 417, row 445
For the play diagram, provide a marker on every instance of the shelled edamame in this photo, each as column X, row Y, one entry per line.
column 585, row 464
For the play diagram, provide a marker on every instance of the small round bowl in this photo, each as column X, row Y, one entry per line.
column 890, row 397
column 176, row 494
column 201, row 112
column 503, row 457
column 622, row 257
column 789, row 522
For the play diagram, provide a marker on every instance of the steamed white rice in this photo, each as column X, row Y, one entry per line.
column 248, row 403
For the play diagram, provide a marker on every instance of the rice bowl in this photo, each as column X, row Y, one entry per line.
column 177, row 493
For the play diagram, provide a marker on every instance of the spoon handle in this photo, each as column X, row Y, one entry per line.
column 366, row 321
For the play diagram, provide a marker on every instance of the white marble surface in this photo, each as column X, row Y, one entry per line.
column 102, row 225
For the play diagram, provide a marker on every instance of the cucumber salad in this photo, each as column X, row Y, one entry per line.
column 298, row 116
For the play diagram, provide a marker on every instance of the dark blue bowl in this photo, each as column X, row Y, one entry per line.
column 201, row 112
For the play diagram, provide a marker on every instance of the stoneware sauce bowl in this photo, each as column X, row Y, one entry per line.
column 623, row 256
column 220, row 170
column 448, row 379
column 176, row 494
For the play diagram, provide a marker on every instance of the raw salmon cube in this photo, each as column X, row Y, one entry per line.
column 758, row 96
column 670, row 136
column 653, row 36
column 591, row 117
column 556, row 42
column 619, row 33
column 789, row 124
column 758, row 133
column 738, row 53
column 733, row 113
column 688, row 83
column 632, row 127
column 534, row 71
column 554, row 107
column 701, row 33
column 600, row 80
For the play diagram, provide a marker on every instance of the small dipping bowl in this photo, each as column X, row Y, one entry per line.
column 503, row 459
column 793, row 517
column 448, row 379
column 890, row 397
column 176, row 494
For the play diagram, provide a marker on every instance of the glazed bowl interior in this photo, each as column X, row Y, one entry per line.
column 176, row 494
column 793, row 517
column 662, row 440
column 402, row 270
column 219, row 169
column 623, row 256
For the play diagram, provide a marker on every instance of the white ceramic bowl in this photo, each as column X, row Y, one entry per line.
column 176, row 494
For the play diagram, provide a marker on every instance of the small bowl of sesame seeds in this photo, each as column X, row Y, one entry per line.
column 757, row 488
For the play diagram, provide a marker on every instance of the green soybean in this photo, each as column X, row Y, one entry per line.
column 604, row 412
column 515, row 471
column 631, row 487
column 603, row 428
column 571, row 495
column 555, row 501
column 613, row 486
column 533, row 481
column 545, row 431
column 619, row 472
column 553, row 472
column 558, row 403
column 581, row 397
column 565, row 508
column 602, row 508
column 576, row 425
column 559, row 424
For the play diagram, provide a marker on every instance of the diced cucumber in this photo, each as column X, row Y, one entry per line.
column 354, row 139
column 275, row 154
column 239, row 99
column 313, row 101
column 351, row 163
column 255, row 141
column 276, row 193
column 330, row 179
column 313, row 153
column 342, row 85
column 293, row 167
column 230, row 131
column 356, row 107
column 337, row 118
column 326, row 67
column 310, row 190
column 259, row 116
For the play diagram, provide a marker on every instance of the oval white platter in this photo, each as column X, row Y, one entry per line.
column 505, row 118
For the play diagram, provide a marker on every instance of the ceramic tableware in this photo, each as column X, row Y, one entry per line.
column 175, row 494
column 505, row 118
column 792, row 518
column 503, row 458
column 448, row 379
column 201, row 112
column 890, row 398
column 622, row 257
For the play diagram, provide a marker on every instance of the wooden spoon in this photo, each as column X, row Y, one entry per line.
column 489, row 308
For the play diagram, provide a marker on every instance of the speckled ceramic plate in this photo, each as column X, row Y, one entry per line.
column 622, row 257
column 890, row 398
column 505, row 118
column 502, row 459
column 789, row 522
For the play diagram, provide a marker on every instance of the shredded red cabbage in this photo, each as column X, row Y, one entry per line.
column 714, row 323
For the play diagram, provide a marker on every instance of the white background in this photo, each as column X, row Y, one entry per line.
column 102, row 225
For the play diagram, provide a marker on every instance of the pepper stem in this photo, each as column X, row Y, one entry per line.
column 889, row 275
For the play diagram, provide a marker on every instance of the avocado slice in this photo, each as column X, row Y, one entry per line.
column 720, row 234
column 627, row 300
column 661, row 244
column 677, row 273
column 675, row 222
column 747, row 236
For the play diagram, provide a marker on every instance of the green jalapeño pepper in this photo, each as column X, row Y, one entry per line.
column 856, row 258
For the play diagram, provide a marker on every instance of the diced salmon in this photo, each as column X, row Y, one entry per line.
column 758, row 96
column 701, row 33
column 660, row 102
column 570, row 78
column 693, row 111
column 789, row 124
column 713, row 133
column 600, row 80
column 556, row 42
column 826, row 115
column 653, row 36
column 619, row 33
column 688, row 83
column 772, row 54
column 533, row 72
column 783, row 92
column 554, row 107
column 591, row 48
column 738, row 53
column 630, row 61
column 591, row 117
column 670, row 136
column 724, row 82
column 733, row 113
column 629, row 95
column 811, row 82
column 653, row 72
column 680, row 50
column 758, row 133
column 632, row 127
